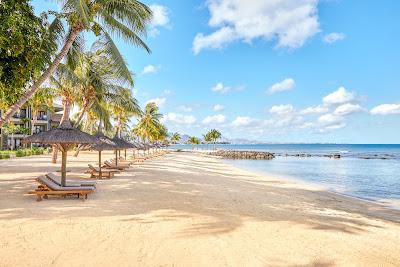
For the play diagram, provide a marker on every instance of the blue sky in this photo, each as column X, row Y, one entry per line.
column 279, row 71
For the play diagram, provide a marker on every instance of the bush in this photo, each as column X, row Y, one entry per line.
column 19, row 153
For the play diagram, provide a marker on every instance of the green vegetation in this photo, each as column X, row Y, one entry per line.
column 212, row 136
column 194, row 141
column 26, row 46
column 149, row 127
column 175, row 138
column 6, row 154
column 127, row 19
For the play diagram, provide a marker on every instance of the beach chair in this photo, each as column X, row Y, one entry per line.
column 49, row 188
column 106, row 173
column 111, row 165
column 122, row 162
column 57, row 179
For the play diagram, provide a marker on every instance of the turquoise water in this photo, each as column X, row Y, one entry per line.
column 375, row 178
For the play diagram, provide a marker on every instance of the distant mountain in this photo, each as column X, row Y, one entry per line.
column 184, row 138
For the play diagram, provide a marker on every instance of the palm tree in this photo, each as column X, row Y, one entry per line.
column 175, row 138
column 149, row 125
column 194, row 141
column 207, row 138
column 99, row 80
column 123, row 18
column 213, row 136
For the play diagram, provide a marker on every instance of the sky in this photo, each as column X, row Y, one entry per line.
column 274, row 71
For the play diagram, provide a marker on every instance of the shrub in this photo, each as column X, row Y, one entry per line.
column 19, row 153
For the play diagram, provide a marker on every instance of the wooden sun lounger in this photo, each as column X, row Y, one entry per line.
column 106, row 173
column 121, row 161
column 47, row 187
column 56, row 179
column 111, row 165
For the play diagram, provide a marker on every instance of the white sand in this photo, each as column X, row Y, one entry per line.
column 188, row 210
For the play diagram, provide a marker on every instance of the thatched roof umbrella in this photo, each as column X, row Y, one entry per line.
column 105, row 144
column 64, row 137
column 121, row 144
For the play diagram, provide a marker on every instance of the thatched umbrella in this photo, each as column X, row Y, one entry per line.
column 121, row 144
column 64, row 137
column 105, row 144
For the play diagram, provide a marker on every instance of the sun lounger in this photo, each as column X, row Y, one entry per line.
column 111, row 165
column 106, row 173
column 121, row 162
column 47, row 188
column 56, row 179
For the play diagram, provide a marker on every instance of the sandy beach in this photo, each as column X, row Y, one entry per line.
column 187, row 209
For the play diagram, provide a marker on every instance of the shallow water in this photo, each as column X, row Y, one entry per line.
column 373, row 179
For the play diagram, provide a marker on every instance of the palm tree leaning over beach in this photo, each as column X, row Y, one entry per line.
column 123, row 18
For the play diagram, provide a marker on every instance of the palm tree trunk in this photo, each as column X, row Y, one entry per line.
column 66, row 112
column 85, row 108
column 33, row 122
column 46, row 74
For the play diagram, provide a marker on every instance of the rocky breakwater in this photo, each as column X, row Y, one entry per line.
column 234, row 154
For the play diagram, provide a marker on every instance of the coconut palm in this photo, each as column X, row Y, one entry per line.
column 175, row 138
column 100, row 81
column 213, row 135
column 194, row 141
column 149, row 125
column 122, row 18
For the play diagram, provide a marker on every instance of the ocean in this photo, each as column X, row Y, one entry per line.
column 369, row 171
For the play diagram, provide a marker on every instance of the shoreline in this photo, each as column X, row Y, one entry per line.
column 171, row 210
column 389, row 203
column 315, row 186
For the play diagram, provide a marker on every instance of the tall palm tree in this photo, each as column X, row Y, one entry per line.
column 100, row 81
column 123, row 18
column 149, row 125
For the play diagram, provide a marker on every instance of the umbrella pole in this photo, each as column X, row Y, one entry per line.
column 125, row 153
column 116, row 157
column 63, row 165
column 100, row 174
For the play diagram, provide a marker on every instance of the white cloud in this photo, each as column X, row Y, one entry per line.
column 285, row 85
column 386, row 109
column 218, row 107
column 150, row 69
column 314, row 110
column 243, row 121
column 333, row 37
column 281, row 109
column 178, row 119
column 329, row 119
column 160, row 102
column 160, row 19
column 216, row 119
column 347, row 109
column 291, row 22
column 332, row 127
column 215, row 40
column 186, row 108
column 221, row 88
column 160, row 15
column 340, row 96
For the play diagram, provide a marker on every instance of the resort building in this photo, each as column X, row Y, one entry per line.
column 21, row 124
